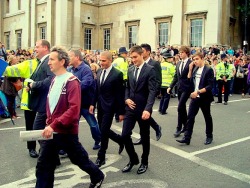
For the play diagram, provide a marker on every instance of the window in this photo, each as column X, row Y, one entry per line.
column 43, row 32
column 196, row 32
column 163, row 33
column 87, row 38
column 196, row 28
column 7, row 40
column 7, row 6
column 132, row 35
column 19, row 4
column 107, row 39
column 132, row 28
column 19, row 38
column 163, row 24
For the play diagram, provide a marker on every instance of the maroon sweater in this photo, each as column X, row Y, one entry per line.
column 65, row 118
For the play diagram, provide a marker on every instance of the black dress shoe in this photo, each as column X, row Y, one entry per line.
column 100, row 162
column 121, row 147
column 96, row 185
column 163, row 113
column 129, row 166
column 183, row 130
column 138, row 142
column 177, row 133
column 225, row 103
column 208, row 141
column 143, row 168
column 184, row 141
column 33, row 153
column 158, row 133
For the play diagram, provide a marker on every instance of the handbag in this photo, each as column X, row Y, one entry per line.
column 18, row 85
column 239, row 73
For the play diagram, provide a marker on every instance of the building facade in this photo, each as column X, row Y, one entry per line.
column 110, row 24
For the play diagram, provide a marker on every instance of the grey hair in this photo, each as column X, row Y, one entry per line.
column 77, row 53
column 62, row 54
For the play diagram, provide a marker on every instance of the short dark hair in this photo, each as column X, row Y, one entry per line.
column 137, row 49
column 62, row 54
column 146, row 46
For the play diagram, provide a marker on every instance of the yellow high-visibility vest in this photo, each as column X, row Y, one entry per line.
column 167, row 71
column 23, row 70
column 122, row 65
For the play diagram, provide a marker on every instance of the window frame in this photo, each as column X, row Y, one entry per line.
column 192, row 16
column 163, row 19
column 7, row 40
column 129, row 24
column 18, row 42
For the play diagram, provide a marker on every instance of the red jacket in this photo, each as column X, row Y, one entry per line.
column 65, row 118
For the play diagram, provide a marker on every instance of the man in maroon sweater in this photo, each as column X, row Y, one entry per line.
column 63, row 111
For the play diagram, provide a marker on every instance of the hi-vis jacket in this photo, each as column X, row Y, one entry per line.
column 224, row 69
column 23, row 70
column 167, row 71
column 122, row 65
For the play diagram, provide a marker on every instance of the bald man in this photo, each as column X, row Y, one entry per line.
column 109, row 98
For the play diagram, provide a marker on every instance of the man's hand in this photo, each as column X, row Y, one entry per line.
column 27, row 89
column 47, row 132
column 121, row 118
column 194, row 95
column 91, row 109
column 169, row 90
column 145, row 115
column 130, row 104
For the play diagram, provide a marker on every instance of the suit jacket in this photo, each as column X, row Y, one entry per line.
column 206, row 81
column 110, row 96
column 182, row 81
column 142, row 92
column 158, row 74
column 40, row 88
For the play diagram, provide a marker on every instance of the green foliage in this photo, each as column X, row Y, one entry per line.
column 242, row 6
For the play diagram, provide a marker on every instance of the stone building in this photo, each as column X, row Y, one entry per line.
column 110, row 24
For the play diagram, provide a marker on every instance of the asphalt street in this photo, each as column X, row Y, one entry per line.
column 224, row 163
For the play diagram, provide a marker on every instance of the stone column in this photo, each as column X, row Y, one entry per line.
column 33, row 22
column 50, row 17
column 177, row 22
column 76, row 24
column 61, row 22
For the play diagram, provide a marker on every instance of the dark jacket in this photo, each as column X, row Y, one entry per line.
column 65, row 118
column 158, row 74
column 206, row 81
column 182, row 81
column 40, row 88
column 88, row 84
column 142, row 92
column 7, row 87
column 110, row 96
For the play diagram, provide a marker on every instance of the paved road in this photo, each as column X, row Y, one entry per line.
column 224, row 163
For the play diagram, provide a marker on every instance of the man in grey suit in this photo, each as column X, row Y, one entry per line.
column 139, row 99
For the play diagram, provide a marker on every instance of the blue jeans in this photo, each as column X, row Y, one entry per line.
column 94, row 127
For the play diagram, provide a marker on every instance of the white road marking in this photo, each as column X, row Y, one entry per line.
column 190, row 156
column 221, row 146
column 11, row 128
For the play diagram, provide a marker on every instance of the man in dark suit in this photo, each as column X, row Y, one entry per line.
column 146, row 57
column 183, row 88
column 39, row 88
column 201, row 79
column 139, row 98
column 110, row 100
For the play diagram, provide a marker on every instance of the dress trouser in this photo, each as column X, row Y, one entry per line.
column 29, row 120
column 131, row 117
column 47, row 160
column 105, row 120
column 183, row 96
column 40, row 121
column 194, row 106
column 164, row 100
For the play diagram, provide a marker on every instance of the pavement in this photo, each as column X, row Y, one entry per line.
column 224, row 163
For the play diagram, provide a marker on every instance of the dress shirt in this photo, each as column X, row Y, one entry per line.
column 106, row 74
column 139, row 70
column 185, row 62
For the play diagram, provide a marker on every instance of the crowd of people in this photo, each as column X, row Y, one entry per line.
column 121, row 85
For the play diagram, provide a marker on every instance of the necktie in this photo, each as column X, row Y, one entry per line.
column 103, row 77
column 182, row 66
column 136, row 74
